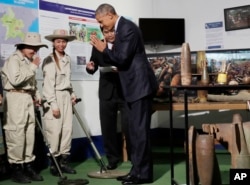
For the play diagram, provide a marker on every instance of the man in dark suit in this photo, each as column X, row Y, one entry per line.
column 111, row 101
column 138, row 84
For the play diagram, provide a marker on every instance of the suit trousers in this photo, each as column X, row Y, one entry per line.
column 19, row 127
column 139, row 134
column 59, row 130
column 109, row 113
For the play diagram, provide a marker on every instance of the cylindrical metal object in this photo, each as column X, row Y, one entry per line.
column 201, row 57
column 202, row 95
column 205, row 158
column 186, row 74
column 243, row 158
column 204, row 75
column 193, row 174
column 222, row 78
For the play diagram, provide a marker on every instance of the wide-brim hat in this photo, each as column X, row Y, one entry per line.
column 60, row 34
column 32, row 39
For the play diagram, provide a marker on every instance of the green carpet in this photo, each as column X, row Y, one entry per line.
column 161, row 169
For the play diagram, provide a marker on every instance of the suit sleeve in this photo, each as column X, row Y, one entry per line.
column 125, row 46
column 93, row 58
column 1, row 86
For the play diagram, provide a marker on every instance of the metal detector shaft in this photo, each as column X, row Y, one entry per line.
column 90, row 140
column 48, row 146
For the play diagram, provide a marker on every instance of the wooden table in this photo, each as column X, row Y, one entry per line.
column 236, row 105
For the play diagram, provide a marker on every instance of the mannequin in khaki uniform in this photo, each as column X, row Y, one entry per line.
column 18, row 74
column 60, row 98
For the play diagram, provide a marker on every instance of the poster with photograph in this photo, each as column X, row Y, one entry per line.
column 237, row 18
column 237, row 63
column 167, row 68
column 79, row 22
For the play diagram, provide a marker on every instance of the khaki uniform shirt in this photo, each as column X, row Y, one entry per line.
column 19, row 73
column 56, row 79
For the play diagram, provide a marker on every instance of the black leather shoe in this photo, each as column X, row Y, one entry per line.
column 112, row 166
column 134, row 181
column 124, row 177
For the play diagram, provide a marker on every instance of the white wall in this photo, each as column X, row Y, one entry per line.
column 196, row 14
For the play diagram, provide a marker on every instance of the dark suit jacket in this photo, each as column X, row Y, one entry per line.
column 128, row 54
column 1, row 86
column 109, row 80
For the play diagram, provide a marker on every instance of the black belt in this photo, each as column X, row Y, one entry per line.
column 31, row 92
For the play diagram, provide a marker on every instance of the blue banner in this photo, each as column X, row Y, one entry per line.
column 55, row 7
column 213, row 25
column 25, row 3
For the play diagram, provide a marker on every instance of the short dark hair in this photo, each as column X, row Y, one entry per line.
column 105, row 8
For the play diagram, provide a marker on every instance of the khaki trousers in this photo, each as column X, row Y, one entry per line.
column 19, row 127
column 59, row 130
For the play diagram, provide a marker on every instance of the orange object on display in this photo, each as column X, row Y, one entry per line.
column 186, row 74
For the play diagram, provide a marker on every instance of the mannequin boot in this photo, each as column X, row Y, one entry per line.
column 31, row 173
column 18, row 174
column 64, row 164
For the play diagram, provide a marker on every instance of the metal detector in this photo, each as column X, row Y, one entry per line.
column 103, row 172
column 63, row 179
